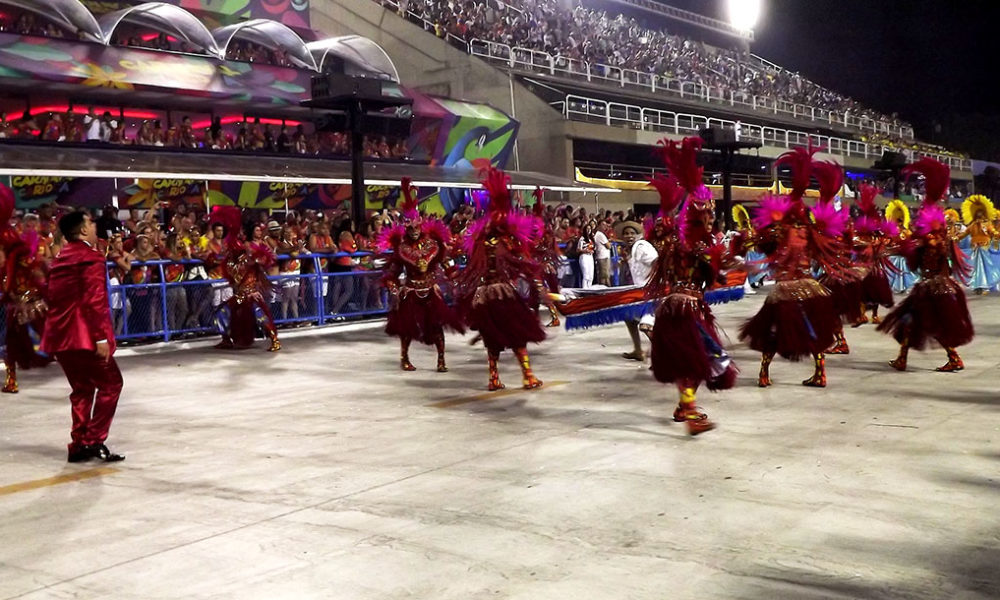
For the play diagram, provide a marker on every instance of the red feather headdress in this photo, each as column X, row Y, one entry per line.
column 408, row 208
column 800, row 162
column 937, row 176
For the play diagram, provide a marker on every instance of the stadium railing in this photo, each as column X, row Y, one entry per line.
column 163, row 310
column 594, row 110
column 540, row 61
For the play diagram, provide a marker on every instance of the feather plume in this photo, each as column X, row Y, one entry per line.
column 830, row 177
column 936, row 174
column 772, row 209
column 231, row 218
column 496, row 184
column 741, row 217
column 410, row 203
column 390, row 237
column 929, row 219
column 830, row 221
column 671, row 193
column 538, row 208
column 866, row 200
column 800, row 162
column 682, row 161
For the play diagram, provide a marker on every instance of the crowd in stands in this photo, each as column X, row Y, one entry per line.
column 28, row 23
column 251, row 136
column 602, row 38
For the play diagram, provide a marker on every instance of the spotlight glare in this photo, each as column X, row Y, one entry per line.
column 743, row 14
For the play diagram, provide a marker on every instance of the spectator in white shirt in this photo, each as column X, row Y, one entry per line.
column 93, row 125
column 602, row 255
column 641, row 256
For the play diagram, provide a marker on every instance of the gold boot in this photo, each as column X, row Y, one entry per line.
column 528, row 378
column 10, row 386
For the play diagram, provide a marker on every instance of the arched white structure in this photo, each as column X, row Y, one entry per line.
column 71, row 15
column 362, row 56
column 165, row 18
column 269, row 34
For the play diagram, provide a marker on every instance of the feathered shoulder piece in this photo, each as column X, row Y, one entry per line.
column 896, row 210
column 828, row 220
column 830, row 177
column 408, row 208
column 390, row 237
column 435, row 229
column 800, row 161
column 682, row 160
column 936, row 174
column 231, row 218
column 974, row 204
column 741, row 217
column 771, row 210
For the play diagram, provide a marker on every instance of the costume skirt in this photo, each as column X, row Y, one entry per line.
column 876, row 289
column 757, row 259
column 935, row 309
column 244, row 315
column 20, row 342
column 797, row 319
column 422, row 315
column 686, row 347
column 502, row 317
column 846, row 293
column 984, row 273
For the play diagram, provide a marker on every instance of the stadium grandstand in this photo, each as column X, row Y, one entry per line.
column 620, row 83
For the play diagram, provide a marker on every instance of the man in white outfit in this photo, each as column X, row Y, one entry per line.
column 641, row 256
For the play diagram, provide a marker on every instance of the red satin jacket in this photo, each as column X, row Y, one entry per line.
column 79, row 315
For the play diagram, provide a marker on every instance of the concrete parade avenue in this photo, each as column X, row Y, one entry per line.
column 324, row 471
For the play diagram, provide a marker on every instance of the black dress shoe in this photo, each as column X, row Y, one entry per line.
column 80, row 455
column 101, row 452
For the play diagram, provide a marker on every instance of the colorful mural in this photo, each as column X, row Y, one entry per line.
column 276, row 196
column 294, row 13
column 148, row 193
column 30, row 191
column 47, row 60
column 459, row 134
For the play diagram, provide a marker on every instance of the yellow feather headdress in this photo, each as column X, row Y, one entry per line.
column 975, row 203
column 896, row 210
column 741, row 217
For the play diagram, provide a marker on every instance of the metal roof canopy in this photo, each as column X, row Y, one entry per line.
column 64, row 160
column 270, row 34
column 71, row 15
column 163, row 18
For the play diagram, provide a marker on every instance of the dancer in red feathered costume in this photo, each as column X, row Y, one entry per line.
column 798, row 317
column 245, row 267
column 547, row 255
column 23, row 292
column 419, row 252
column 499, row 249
column 686, row 346
column 936, row 308
column 844, row 284
column 874, row 237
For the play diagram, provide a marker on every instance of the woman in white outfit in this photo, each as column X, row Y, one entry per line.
column 585, row 246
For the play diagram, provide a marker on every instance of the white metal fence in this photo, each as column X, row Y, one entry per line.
column 593, row 110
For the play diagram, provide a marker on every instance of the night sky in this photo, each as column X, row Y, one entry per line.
column 929, row 61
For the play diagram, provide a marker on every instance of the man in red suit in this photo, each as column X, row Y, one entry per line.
column 80, row 335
